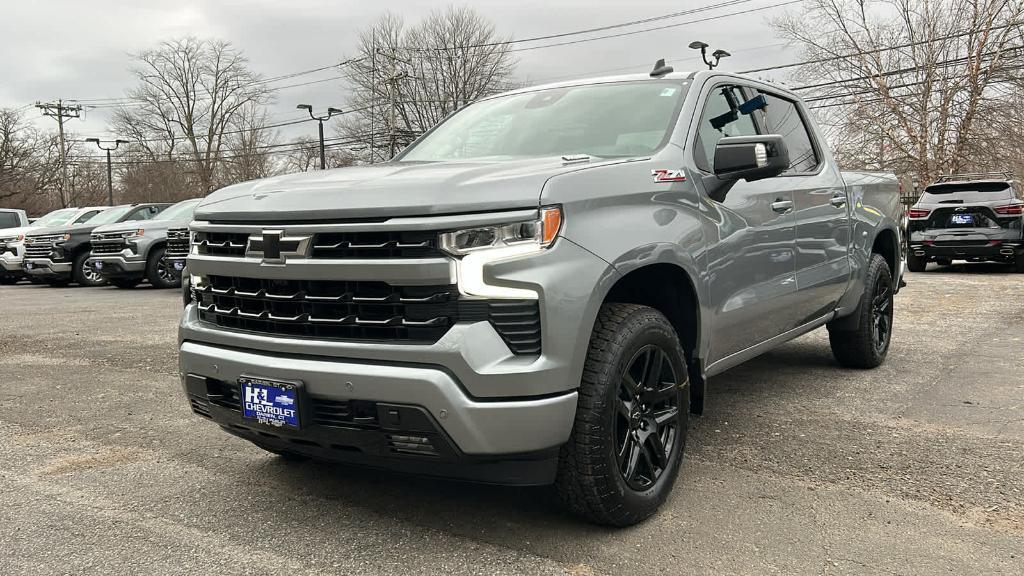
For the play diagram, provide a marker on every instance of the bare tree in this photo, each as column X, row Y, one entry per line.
column 906, row 82
column 189, row 96
column 405, row 80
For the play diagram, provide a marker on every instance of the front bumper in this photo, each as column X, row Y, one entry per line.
column 10, row 264
column 117, row 266
column 44, row 267
column 510, row 441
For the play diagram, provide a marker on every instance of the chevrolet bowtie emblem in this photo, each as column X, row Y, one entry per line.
column 273, row 247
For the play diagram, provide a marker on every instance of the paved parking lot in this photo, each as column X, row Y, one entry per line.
column 798, row 467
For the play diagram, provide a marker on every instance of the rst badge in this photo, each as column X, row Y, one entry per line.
column 668, row 175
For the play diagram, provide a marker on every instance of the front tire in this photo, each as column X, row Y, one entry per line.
column 84, row 276
column 159, row 271
column 627, row 441
column 868, row 344
column 916, row 263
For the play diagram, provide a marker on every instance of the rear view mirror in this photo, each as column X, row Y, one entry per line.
column 751, row 157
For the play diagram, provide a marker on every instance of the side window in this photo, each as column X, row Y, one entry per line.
column 783, row 118
column 9, row 220
column 144, row 213
column 85, row 216
column 721, row 118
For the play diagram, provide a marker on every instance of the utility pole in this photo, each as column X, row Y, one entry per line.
column 110, row 177
column 373, row 94
column 392, row 82
column 320, row 119
column 60, row 111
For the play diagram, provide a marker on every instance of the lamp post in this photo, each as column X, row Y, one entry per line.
column 320, row 120
column 110, row 181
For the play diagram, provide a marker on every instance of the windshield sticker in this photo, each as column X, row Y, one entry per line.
column 668, row 175
column 668, row 92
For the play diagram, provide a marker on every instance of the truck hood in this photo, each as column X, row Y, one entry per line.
column 76, row 229
column 154, row 226
column 7, row 232
column 390, row 189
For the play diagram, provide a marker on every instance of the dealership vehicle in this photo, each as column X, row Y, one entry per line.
column 972, row 217
column 57, row 254
column 12, row 240
column 126, row 253
column 536, row 290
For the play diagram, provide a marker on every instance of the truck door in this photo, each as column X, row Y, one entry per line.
column 820, row 209
column 751, row 237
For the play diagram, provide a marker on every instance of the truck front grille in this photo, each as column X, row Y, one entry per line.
column 177, row 243
column 336, row 245
column 330, row 309
column 40, row 246
column 104, row 248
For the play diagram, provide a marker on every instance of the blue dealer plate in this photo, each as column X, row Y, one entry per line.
column 270, row 402
column 962, row 219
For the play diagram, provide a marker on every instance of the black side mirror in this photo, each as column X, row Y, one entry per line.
column 747, row 158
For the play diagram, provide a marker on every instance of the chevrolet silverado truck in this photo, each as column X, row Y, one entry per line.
column 12, row 240
column 127, row 253
column 57, row 255
column 972, row 217
column 537, row 289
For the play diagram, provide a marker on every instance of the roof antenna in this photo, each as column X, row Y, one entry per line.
column 717, row 54
column 660, row 69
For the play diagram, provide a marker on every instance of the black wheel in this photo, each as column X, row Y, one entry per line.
column 916, row 263
column 627, row 441
column 84, row 275
column 944, row 262
column 126, row 283
column 867, row 346
column 159, row 271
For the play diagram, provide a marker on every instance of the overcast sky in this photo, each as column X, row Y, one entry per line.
column 81, row 50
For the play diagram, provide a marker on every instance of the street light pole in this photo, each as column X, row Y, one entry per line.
column 320, row 120
column 110, row 176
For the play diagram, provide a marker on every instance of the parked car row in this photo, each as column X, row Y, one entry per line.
column 92, row 246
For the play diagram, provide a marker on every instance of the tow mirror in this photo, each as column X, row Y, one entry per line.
column 747, row 158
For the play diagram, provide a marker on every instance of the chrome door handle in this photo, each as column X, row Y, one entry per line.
column 782, row 206
column 838, row 200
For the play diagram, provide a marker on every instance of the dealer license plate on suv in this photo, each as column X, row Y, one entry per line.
column 962, row 219
column 270, row 402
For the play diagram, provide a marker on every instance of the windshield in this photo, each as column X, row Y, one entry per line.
column 604, row 120
column 56, row 218
column 181, row 211
column 108, row 216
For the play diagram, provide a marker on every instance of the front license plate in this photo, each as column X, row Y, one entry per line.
column 963, row 219
column 270, row 402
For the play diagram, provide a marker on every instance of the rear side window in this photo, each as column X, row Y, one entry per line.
column 9, row 220
column 783, row 118
column 721, row 118
column 960, row 192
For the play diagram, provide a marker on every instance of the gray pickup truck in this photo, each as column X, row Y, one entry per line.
column 537, row 289
column 127, row 253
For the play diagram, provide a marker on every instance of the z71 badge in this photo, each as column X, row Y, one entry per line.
column 668, row 175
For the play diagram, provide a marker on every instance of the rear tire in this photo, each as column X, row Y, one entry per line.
column 125, row 283
column 916, row 263
column 627, row 441
column 85, row 276
column 159, row 272
column 867, row 346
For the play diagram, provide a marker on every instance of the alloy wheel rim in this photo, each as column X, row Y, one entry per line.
column 163, row 271
column 881, row 315
column 90, row 275
column 646, row 425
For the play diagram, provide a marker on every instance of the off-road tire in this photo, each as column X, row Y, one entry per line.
column 157, row 270
column 125, row 283
column 589, row 480
column 916, row 263
column 862, row 347
column 81, row 276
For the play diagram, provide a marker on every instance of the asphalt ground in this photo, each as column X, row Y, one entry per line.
column 797, row 466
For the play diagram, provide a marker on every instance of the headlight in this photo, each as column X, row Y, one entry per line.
column 134, row 233
column 66, row 237
column 480, row 247
column 539, row 233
